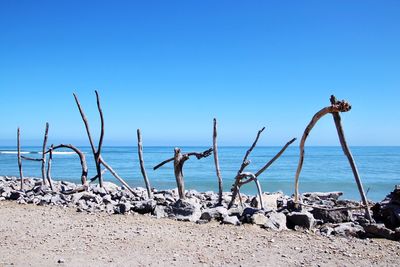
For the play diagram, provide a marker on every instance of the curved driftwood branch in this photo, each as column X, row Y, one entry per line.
column 141, row 161
column 85, row 121
column 162, row 163
column 21, row 175
column 347, row 152
column 339, row 106
column 101, row 123
column 46, row 133
column 108, row 167
column 216, row 162
column 253, row 177
column 81, row 157
column 48, row 175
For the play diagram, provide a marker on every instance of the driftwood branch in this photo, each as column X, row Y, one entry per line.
column 216, row 162
column 111, row 170
column 96, row 176
column 96, row 153
column 81, row 157
column 339, row 106
column 141, row 161
column 46, row 133
column 179, row 159
column 48, row 175
column 21, row 175
column 30, row 159
column 347, row 152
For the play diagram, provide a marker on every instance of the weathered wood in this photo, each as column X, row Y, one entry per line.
column 141, row 161
column 340, row 106
column 21, row 175
column 48, row 175
column 114, row 173
column 82, row 159
column 46, row 132
column 216, row 162
column 347, row 152
column 96, row 153
column 30, row 159
column 179, row 159
column 252, row 177
column 96, row 176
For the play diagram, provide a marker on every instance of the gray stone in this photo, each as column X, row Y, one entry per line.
column 323, row 195
column 231, row 220
column 216, row 213
column 144, row 206
column 14, row 195
column 56, row 200
column 99, row 190
column 122, row 208
column 111, row 187
column 332, row 216
column 276, row 221
column 259, row 219
column 270, row 201
column 107, row 199
column 348, row 229
column 159, row 212
column 380, row 230
column 185, row 210
column 45, row 199
column 302, row 219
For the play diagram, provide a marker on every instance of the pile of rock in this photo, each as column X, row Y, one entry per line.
column 321, row 213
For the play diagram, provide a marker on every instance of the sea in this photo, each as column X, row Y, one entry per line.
column 325, row 168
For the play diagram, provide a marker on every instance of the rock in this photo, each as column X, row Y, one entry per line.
column 276, row 221
column 270, row 201
column 144, row 206
column 45, row 199
column 99, row 190
column 14, row 195
column 230, row 220
column 109, row 208
column 326, row 230
column 248, row 213
column 185, row 210
column 110, row 187
column 61, row 260
column 388, row 210
column 332, row 216
column 348, row 229
column 107, row 199
column 122, row 208
column 56, row 200
column 380, row 230
column 216, row 213
column 303, row 219
column 259, row 219
column 323, row 195
column 159, row 212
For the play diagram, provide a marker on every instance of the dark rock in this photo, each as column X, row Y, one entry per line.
column 332, row 216
column 248, row 213
column 323, row 195
column 216, row 213
column 302, row 219
column 380, row 230
column 144, row 206
column 388, row 210
column 122, row 208
column 14, row 195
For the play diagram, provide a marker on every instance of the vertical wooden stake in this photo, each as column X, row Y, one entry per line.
column 46, row 132
column 141, row 161
column 347, row 152
column 49, row 167
column 216, row 161
column 21, row 175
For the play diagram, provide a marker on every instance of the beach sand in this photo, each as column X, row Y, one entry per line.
column 44, row 236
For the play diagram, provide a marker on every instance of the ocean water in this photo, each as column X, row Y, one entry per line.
column 325, row 168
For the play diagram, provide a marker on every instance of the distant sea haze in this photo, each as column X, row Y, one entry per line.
column 325, row 168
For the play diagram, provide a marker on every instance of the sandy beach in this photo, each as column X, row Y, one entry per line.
column 48, row 236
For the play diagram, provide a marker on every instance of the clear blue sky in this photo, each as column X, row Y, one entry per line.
column 169, row 67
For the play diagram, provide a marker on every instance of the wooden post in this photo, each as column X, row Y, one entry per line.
column 21, row 175
column 179, row 159
column 46, row 132
column 216, row 161
column 49, row 166
column 347, row 152
column 141, row 161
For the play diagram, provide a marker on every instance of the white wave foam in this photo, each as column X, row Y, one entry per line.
column 14, row 152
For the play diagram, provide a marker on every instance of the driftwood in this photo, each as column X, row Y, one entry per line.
column 243, row 178
column 21, row 175
column 46, row 133
column 30, row 159
column 216, row 161
column 81, row 157
column 141, row 161
column 179, row 160
column 96, row 152
column 335, row 108
column 48, row 175
column 347, row 152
